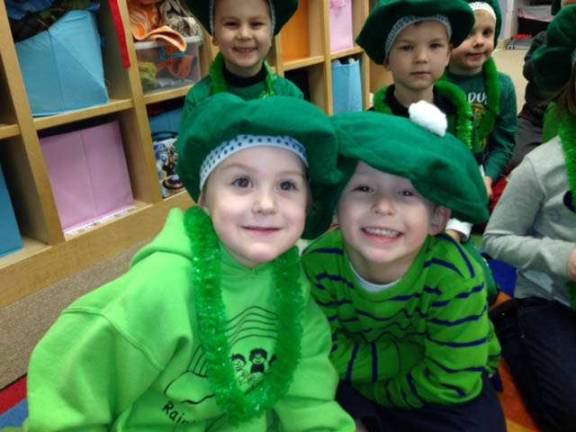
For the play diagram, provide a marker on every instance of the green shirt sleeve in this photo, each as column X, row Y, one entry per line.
column 309, row 404
column 502, row 139
column 74, row 382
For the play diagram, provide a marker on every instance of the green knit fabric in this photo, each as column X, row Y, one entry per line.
column 434, row 320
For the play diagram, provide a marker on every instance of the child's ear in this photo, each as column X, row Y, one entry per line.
column 202, row 203
column 439, row 219
column 214, row 40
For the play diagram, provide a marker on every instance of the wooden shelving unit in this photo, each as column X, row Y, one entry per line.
column 48, row 254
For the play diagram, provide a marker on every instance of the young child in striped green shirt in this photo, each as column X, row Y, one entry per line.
column 412, row 341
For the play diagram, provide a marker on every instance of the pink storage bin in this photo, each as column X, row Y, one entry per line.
column 341, row 33
column 88, row 174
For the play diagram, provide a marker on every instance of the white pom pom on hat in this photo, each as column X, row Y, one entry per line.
column 428, row 116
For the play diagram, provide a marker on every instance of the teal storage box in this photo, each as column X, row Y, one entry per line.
column 346, row 86
column 168, row 121
column 10, row 239
column 62, row 67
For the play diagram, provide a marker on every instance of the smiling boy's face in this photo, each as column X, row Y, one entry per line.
column 243, row 32
column 385, row 222
column 470, row 56
column 419, row 57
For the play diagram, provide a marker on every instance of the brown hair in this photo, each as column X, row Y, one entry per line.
column 567, row 97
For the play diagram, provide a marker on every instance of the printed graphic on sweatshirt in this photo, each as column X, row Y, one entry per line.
column 252, row 336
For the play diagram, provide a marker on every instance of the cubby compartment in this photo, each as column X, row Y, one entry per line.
column 162, row 66
column 341, row 25
column 165, row 122
column 347, row 92
column 88, row 173
column 10, row 238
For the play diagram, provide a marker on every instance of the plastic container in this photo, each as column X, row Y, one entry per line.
column 163, row 66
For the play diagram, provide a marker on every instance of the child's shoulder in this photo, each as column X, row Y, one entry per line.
column 448, row 260
column 328, row 244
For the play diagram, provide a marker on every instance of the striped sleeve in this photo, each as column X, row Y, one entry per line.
column 456, row 347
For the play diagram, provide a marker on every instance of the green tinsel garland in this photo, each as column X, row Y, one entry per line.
column 452, row 93
column 493, row 91
column 566, row 126
column 239, row 406
column 219, row 84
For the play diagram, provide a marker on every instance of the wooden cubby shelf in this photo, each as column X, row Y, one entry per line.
column 72, row 116
column 165, row 95
column 9, row 130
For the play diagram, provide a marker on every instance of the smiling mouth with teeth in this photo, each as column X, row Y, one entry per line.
column 382, row 232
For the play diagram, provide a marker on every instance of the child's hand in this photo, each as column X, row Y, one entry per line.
column 572, row 266
column 488, row 184
column 360, row 426
column 455, row 235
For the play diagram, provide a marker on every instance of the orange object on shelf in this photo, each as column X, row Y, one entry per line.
column 295, row 34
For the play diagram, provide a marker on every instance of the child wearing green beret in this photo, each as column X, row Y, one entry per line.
column 412, row 341
column 491, row 93
column 243, row 30
column 413, row 39
column 533, row 228
column 213, row 327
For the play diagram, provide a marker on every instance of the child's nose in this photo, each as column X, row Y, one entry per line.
column 384, row 205
column 244, row 31
column 421, row 54
column 265, row 202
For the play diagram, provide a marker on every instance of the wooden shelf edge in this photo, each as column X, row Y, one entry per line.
column 164, row 95
column 115, row 105
column 33, row 271
column 346, row 53
column 302, row 63
column 9, row 130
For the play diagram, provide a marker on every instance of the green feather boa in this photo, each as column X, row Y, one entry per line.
column 239, row 406
column 220, row 85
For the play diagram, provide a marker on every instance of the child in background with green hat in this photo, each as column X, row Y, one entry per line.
column 243, row 30
column 491, row 93
column 533, row 228
column 213, row 327
column 413, row 39
column 412, row 341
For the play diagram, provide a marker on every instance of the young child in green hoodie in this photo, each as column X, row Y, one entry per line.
column 412, row 341
column 213, row 327
column 243, row 30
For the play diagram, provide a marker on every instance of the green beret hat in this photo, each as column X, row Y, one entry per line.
column 441, row 168
column 386, row 13
column 224, row 116
column 553, row 62
column 282, row 10
column 495, row 5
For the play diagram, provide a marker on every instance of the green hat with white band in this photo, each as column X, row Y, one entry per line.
column 224, row 124
column 493, row 8
column 280, row 11
column 553, row 62
column 390, row 17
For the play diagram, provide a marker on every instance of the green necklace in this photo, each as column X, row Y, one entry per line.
column 220, row 85
column 211, row 317
column 567, row 134
column 457, row 98
column 486, row 125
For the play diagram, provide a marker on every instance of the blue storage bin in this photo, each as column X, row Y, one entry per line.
column 346, row 86
column 168, row 121
column 10, row 239
column 62, row 67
